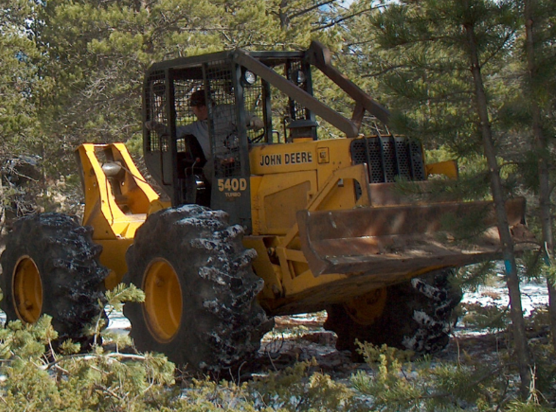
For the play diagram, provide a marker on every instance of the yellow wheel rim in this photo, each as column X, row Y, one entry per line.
column 163, row 300
column 366, row 309
column 27, row 290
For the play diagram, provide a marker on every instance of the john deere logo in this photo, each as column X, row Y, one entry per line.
column 286, row 159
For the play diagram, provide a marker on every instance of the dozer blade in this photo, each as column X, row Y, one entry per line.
column 397, row 240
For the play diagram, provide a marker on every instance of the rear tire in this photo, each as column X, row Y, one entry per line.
column 50, row 266
column 418, row 315
column 200, row 306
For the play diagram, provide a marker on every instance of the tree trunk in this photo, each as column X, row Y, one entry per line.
column 512, row 279
column 283, row 15
column 541, row 145
column 552, row 310
column 2, row 211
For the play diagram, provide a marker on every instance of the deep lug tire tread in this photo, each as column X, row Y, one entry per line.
column 221, row 324
column 71, row 274
column 418, row 316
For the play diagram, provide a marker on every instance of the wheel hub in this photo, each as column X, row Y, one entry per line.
column 27, row 290
column 163, row 300
column 367, row 308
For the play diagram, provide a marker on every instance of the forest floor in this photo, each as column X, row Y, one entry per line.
column 303, row 338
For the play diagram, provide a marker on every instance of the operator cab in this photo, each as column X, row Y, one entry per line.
column 274, row 88
column 234, row 95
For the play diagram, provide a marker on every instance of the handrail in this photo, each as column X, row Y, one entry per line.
column 296, row 93
column 319, row 56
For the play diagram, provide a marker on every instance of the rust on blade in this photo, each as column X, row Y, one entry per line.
column 398, row 239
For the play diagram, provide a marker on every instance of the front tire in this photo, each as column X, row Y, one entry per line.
column 200, row 306
column 50, row 266
column 416, row 315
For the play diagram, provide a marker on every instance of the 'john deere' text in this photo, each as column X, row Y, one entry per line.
column 286, row 159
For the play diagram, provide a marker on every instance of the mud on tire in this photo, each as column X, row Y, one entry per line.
column 50, row 266
column 418, row 315
column 200, row 308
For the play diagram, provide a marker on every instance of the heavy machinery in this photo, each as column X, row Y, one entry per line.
column 281, row 223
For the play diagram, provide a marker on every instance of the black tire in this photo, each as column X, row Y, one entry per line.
column 418, row 315
column 54, row 253
column 200, row 308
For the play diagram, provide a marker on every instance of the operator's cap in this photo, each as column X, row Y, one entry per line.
column 198, row 98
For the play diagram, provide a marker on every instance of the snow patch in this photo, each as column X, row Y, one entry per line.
column 533, row 295
column 213, row 274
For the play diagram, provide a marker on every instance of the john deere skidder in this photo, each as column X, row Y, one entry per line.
column 282, row 222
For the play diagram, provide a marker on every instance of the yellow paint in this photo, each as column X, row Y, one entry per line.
column 264, row 267
column 115, row 207
column 285, row 178
column 27, row 290
column 306, row 174
column 163, row 300
column 113, row 257
column 365, row 309
column 448, row 168
column 288, row 158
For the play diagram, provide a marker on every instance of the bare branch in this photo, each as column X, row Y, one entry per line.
column 316, row 6
column 344, row 18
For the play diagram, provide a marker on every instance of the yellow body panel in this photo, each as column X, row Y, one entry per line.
column 305, row 175
column 448, row 168
column 115, row 206
column 113, row 257
column 287, row 178
column 324, row 155
column 278, row 199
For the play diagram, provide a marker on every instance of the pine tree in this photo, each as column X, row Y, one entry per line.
column 540, row 79
column 21, row 85
column 19, row 78
column 441, row 64
column 97, row 53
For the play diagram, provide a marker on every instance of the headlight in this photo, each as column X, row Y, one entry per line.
column 298, row 77
column 249, row 78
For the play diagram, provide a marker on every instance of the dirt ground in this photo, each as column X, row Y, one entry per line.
column 301, row 338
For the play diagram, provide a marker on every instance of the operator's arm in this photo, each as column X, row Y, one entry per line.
column 197, row 129
column 191, row 128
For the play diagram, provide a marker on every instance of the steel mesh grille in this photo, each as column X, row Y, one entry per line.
column 404, row 158
column 294, row 67
column 253, row 97
column 417, row 159
column 155, row 103
column 375, row 157
column 184, row 115
column 223, row 112
column 389, row 158
column 389, row 154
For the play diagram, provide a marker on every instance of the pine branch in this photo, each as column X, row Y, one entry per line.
column 360, row 43
column 344, row 18
column 500, row 47
column 309, row 9
column 89, row 356
column 473, row 384
column 108, row 391
column 386, row 70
